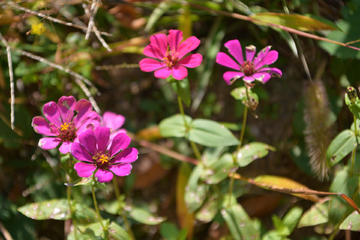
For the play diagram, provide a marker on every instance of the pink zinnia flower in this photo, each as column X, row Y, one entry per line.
column 114, row 122
column 253, row 68
column 61, row 124
column 94, row 155
column 169, row 53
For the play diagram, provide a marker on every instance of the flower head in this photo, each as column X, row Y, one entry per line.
column 94, row 155
column 253, row 68
column 114, row 122
column 62, row 125
column 169, row 53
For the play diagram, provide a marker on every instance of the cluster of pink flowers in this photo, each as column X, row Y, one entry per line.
column 168, row 58
column 100, row 144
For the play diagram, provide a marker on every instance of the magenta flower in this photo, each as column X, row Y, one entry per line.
column 169, row 53
column 61, row 124
column 253, row 68
column 94, row 155
column 114, row 122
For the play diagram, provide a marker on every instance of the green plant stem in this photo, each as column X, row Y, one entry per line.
column 356, row 132
column 98, row 213
column 123, row 215
column 71, row 210
column 193, row 145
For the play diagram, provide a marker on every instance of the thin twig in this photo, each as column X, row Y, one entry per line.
column 78, row 78
column 12, row 89
column 105, row 45
column 17, row 7
column 93, row 11
column 69, row 16
column 5, row 232
column 88, row 94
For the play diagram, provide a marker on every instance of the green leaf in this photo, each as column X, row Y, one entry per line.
column 169, row 231
column 295, row 21
column 174, row 126
column 292, row 217
column 251, row 152
column 219, row 170
column 240, row 94
column 352, row 222
column 355, row 109
column 316, row 215
column 145, row 217
column 117, row 233
column 347, row 185
column 239, row 223
column 281, row 228
column 94, row 228
column 211, row 134
column 83, row 214
column 156, row 14
column 57, row 209
column 289, row 39
column 195, row 190
column 182, row 89
column 88, row 182
column 209, row 209
column 341, row 146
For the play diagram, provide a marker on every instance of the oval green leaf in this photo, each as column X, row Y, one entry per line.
column 239, row 223
column 195, row 190
column 316, row 215
column 174, row 126
column 57, row 209
column 143, row 216
column 211, row 134
column 251, row 152
column 219, row 170
column 352, row 222
column 341, row 146
column 117, row 233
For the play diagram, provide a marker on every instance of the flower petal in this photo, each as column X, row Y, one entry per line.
column 42, row 126
column 66, row 107
column 235, row 50
column 88, row 141
column 80, row 153
column 129, row 155
column 120, row 142
column 153, row 51
column 84, row 169
column 121, row 169
column 112, row 120
column 187, row 46
column 270, row 58
column 82, row 107
column 275, row 72
column 104, row 175
column 230, row 77
column 65, row 147
column 179, row 72
column 163, row 73
column 191, row 61
column 52, row 113
column 160, row 41
column 248, row 78
column 250, row 52
column 174, row 39
column 92, row 120
column 261, row 55
column 225, row 60
column 49, row 143
column 149, row 65
column 102, row 135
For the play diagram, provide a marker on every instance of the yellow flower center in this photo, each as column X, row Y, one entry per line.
column 103, row 159
column 64, row 127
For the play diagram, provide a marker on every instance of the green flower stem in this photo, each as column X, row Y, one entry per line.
column 193, row 145
column 71, row 210
column 353, row 154
column 98, row 213
column 231, row 185
column 123, row 215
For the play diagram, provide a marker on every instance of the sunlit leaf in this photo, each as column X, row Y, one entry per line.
column 316, row 215
column 299, row 22
column 174, row 126
column 352, row 222
column 219, row 170
column 340, row 146
column 195, row 190
column 251, row 152
column 145, row 217
column 54, row 209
